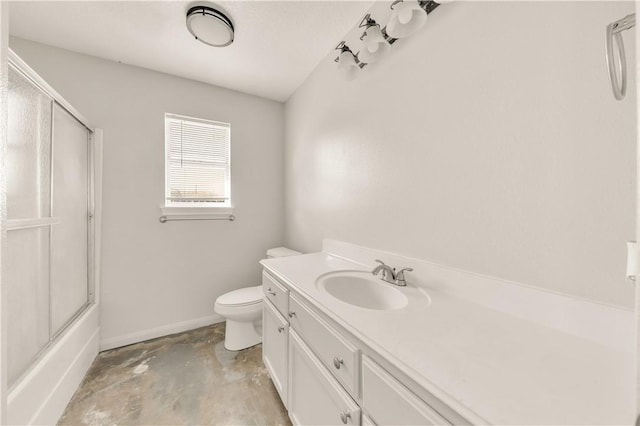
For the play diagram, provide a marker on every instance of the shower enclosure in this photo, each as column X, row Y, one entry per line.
column 49, row 243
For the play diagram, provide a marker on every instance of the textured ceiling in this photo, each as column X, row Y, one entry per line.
column 277, row 43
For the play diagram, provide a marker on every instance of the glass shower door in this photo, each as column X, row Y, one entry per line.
column 26, row 268
column 46, row 269
column 69, row 238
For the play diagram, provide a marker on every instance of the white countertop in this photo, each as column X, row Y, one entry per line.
column 488, row 366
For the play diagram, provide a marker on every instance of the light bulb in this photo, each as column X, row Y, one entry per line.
column 407, row 18
column 347, row 66
column 405, row 15
column 375, row 45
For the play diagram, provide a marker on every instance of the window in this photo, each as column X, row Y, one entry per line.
column 197, row 166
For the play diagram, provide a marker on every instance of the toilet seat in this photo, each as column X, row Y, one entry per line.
column 241, row 297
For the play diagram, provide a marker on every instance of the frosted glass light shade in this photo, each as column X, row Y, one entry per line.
column 347, row 65
column 210, row 26
column 374, row 47
column 407, row 18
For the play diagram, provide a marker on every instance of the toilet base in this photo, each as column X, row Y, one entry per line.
column 241, row 335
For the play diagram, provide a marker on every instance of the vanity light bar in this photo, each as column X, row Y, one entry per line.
column 346, row 61
column 342, row 47
column 428, row 6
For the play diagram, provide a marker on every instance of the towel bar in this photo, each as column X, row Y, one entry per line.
column 164, row 219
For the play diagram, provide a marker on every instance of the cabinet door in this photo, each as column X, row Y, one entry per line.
column 387, row 401
column 275, row 336
column 339, row 356
column 315, row 397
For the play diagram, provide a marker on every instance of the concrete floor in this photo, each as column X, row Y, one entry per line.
column 186, row 378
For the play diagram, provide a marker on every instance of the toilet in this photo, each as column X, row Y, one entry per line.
column 242, row 310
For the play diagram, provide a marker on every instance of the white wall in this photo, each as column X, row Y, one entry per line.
column 637, row 304
column 4, row 116
column 490, row 141
column 160, row 278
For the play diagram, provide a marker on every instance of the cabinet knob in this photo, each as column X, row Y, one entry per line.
column 271, row 292
column 337, row 362
column 280, row 329
column 345, row 416
column 292, row 314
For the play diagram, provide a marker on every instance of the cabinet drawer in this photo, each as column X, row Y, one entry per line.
column 275, row 347
column 315, row 397
column 340, row 356
column 276, row 293
column 387, row 401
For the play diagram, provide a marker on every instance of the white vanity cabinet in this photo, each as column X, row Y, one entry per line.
column 276, row 293
column 275, row 333
column 337, row 354
column 315, row 397
column 275, row 347
column 387, row 401
column 321, row 373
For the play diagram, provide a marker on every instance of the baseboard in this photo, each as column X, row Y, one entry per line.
column 44, row 392
column 152, row 333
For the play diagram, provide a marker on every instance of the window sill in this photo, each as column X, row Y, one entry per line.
column 186, row 213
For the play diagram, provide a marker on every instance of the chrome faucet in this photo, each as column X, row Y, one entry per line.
column 389, row 274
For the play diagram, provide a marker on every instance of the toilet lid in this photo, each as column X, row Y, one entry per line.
column 242, row 296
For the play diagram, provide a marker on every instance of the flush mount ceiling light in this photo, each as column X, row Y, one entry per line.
column 210, row 26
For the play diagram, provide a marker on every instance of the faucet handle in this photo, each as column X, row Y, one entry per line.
column 378, row 268
column 400, row 280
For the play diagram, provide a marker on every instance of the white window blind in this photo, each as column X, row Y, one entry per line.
column 197, row 162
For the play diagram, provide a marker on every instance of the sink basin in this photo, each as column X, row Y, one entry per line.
column 362, row 289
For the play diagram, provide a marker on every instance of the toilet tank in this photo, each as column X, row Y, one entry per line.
column 281, row 252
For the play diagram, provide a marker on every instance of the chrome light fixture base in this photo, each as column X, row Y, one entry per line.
column 342, row 47
column 348, row 63
column 377, row 40
column 210, row 26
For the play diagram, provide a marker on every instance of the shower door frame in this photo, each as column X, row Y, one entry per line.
column 18, row 65
column 636, row 282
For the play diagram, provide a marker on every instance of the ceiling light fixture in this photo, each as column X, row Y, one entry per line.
column 408, row 16
column 348, row 63
column 210, row 26
column 375, row 44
